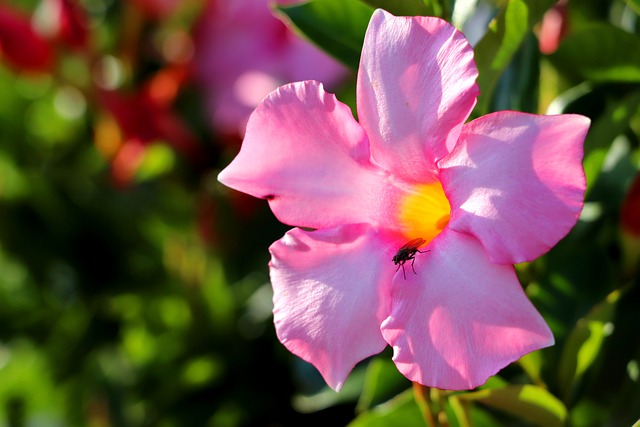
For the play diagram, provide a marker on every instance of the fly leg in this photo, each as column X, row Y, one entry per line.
column 401, row 264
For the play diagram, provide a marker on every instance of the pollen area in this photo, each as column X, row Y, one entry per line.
column 425, row 212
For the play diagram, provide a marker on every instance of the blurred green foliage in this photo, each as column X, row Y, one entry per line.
column 147, row 303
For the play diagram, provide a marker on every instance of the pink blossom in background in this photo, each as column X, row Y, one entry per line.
column 554, row 27
column 499, row 190
column 243, row 53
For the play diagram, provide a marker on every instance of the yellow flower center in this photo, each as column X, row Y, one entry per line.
column 425, row 212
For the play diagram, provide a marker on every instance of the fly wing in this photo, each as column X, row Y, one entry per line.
column 414, row 244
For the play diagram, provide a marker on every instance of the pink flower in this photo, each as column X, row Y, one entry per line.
column 243, row 53
column 499, row 190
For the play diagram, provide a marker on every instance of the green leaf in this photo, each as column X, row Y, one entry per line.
column 635, row 5
column 518, row 87
column 439, row 8
column 382, row 382
column 400, row 411
column 13, row 183
column 600, row 53
column 462, row 413
column 613, row 122
column 327, row 397
column 532, row 365
column 158, row 159
column 589, row 412
column 407, row 7
column 531, row 403
column 337, row 26
column 496, row 49
column 27, row 378
column 585, row 342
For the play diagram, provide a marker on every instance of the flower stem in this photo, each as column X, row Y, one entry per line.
column 423, row 400
column 438, row 397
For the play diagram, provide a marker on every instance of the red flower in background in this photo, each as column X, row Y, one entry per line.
column 157, row 8
column 71, row 23
column 630, row 211
column 20, row 45
column 146, row 116
column 630, row 229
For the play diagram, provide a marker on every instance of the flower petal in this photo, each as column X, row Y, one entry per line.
column 515, row 181
column 306, row 154
column 416, row 87
column 330, row 296
column 460, row 319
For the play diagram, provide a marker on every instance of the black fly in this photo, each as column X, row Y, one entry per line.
column 408, row 252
